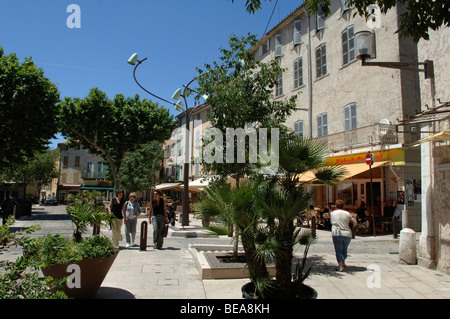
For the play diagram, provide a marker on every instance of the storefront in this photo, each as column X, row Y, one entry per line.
column 392, row 178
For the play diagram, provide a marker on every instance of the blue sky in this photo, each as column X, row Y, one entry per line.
column 175, row 35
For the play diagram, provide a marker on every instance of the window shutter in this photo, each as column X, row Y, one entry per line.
column 260, row 50
column 320, row 19
column 297, row 32
column 325, row 124
column 296, row 75
column 278, row 51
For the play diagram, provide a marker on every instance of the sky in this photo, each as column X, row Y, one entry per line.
column 175, row 35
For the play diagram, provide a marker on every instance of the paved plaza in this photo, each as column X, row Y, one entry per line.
column 374, row 270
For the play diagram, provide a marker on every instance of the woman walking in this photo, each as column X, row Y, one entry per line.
column 131, row 210
column 115, row 210
column 341, row 232
column 158, row 217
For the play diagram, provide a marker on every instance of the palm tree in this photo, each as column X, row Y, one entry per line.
column 237, row 207
column 286, row 196
column 275, row 200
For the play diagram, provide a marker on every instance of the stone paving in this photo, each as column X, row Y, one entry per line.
column 374, row 270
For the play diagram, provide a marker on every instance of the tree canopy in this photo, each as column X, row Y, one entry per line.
column 240, row 90
column 112, row 128
column 420, row 17
column 28, row 109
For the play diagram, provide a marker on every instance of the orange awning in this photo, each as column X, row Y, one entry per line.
column 350, row 171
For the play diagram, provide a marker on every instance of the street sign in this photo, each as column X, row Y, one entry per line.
column 370, row 159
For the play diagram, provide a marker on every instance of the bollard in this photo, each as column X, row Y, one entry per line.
column 143, row 243
column 394, row 226
column 313, row 226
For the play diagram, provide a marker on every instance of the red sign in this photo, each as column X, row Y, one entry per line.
column 370, row 159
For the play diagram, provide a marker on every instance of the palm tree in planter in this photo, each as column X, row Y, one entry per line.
column 237, row 207
column 276, row 201
column 84, row 210
column 281, row 199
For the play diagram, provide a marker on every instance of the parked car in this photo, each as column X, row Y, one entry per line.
column 50, row 200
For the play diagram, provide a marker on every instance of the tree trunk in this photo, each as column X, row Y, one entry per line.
column 283, row 261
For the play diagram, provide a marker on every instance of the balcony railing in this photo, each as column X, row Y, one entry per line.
column 376, row 134
column 94, row 175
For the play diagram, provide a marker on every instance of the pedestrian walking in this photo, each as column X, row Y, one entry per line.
column 158, row 217
column 341, row 232
column 131, row 210
column 115, row 208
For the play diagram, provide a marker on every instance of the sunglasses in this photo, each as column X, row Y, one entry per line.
column 132, row 196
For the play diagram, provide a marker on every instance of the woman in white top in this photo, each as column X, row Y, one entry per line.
column 131, row 210
column 341, row 232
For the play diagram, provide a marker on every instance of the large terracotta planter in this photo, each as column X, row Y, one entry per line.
column 92, row 273
column 305, row 292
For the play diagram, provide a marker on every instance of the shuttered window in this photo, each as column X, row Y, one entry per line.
column 278, row 45
column 321, row 61
column 298, row 73
column 320, row 19
column 322, row 124
column 279, row 86
column 350, row 117
column 298, row 128
column 297, row 36
column 348, row 45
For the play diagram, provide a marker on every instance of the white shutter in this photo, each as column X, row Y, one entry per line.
column 296, row 82
column 297, row 32
column 278, row 44
column 320, row 19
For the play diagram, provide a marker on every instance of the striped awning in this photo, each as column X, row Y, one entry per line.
column 438, row 137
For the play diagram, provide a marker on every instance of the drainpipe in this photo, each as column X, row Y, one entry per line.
column 309, row 75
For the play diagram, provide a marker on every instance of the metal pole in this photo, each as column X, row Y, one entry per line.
column 143, row 241
column 371, row 199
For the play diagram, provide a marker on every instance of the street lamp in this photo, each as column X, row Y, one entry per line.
column 177, row 95
column 366, row 50
column 133, row 60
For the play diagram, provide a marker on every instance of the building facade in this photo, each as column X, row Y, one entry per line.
column 434, row 119
column 350, row 108
column 80, row 170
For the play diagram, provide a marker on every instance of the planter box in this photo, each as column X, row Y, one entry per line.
column 92, row 273
column 210, row 267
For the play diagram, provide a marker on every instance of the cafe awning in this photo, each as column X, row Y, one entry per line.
column 350, row 171
column 438, row 137
column 164, row 186
column 97, row 188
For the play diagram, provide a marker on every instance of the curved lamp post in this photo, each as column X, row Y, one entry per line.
column 179, row 93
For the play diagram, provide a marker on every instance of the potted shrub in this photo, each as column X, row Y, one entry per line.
column 20, row 279
column 264, row 212
column 85, row 210
column 57, row 255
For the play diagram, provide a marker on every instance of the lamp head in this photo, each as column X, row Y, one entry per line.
column 133, row 59
column 205, row 97
column 177, row 95
column 179, row 106
column 365, row 45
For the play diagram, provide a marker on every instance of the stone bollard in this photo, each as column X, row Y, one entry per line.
column 143, row 242
column 407, row 249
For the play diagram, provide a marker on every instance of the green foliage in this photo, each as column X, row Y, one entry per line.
column 84, row 212
column 140, row 167
column 56, row 249
column 415, row 22
column 112, row 128
column 24, row 90
column 38, row 168
column 20, row 279
column 240, row 90
column 96, row 247
column 264, row 209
